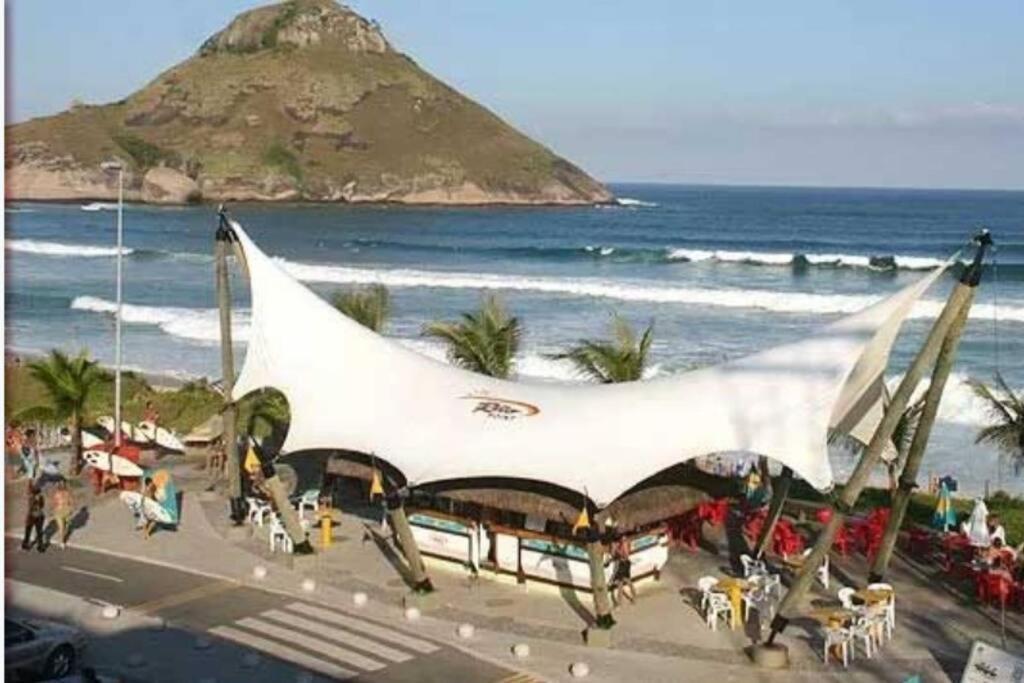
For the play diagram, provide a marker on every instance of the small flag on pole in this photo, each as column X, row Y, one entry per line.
column 583, row 521
column 252, row 462
column 376, row 488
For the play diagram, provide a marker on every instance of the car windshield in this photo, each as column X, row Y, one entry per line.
column 15, row 633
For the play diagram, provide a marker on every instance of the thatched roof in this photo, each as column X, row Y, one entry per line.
column 667, row 494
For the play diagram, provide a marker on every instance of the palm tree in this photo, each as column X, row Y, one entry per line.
column 68, row 383
column 1006, row 407
column 621, row 359
column 485, row 341
column 902, row 437
column 368, row 306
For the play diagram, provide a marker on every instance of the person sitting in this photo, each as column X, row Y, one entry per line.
column 996, row 529
column 997, row 550
column 151, row 414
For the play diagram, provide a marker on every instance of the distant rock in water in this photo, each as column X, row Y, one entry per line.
column 299, row 101
column 882, row 262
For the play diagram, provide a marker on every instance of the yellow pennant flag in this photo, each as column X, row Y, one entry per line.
column 583, row 521
column 252, row 463
column 376, row 488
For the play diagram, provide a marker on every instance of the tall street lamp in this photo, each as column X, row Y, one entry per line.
column 110, row 167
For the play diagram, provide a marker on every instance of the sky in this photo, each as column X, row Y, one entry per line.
column 917, row 93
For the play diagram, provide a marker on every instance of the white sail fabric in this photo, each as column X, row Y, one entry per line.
column 349, row 388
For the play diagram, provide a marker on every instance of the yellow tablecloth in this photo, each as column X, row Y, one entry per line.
column 734, row 587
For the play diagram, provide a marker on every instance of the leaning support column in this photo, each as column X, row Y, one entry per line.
column 400, row 523
column 224, row 237
column 947, row 355
column 843, row 504
column 779, row 495
column 603, row 618
column 289, row 517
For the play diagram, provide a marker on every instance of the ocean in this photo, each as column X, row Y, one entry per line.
column 720, row 271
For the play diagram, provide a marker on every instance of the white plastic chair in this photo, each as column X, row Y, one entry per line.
column 845, row 596
column 890, row 605
column 773, row 586
column 863, row 631
column 279, row 536
column 718, row 606
column 752, row 567
column 704, row 585
column 309, row 499
column 823, row 570
column 843, row 639
column 258, row 510
column 759, row 600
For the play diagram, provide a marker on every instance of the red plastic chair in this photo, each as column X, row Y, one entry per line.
column 844, row 541
column 823, row 515
column 993, row 587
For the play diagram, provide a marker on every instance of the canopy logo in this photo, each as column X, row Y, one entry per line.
column 501, row 408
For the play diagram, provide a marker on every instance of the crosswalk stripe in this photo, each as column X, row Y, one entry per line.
column 311, row 643
column 284, row 652
column 518, row 678
column 364, row 627
column 338, row 635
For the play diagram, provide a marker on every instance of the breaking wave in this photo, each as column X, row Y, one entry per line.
column 43, row 248
column 761, row 258
column 194, row 324
column 629, row 201
column 779, row 302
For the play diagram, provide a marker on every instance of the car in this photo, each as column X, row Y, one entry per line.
column 40, row 648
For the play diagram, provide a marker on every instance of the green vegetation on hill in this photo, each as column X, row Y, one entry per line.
column 300, row 100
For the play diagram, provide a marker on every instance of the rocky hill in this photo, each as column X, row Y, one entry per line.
column 299, row 101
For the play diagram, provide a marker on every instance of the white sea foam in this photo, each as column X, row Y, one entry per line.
column 960, row 405
column 600, row 251
column 779, row 302
column 61, row 249
column 195, row 324
column 629, row 201
column 768, row 258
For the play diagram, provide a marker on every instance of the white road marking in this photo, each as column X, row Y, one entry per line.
column 86, row 572
column 338, row 635
column 281, row 651
column 364, row 627
column 312, row 643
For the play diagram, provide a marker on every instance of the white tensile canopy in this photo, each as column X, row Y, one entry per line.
column 350, row 388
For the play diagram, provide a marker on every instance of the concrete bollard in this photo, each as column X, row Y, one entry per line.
column 465, row 631
column 110, row 611
column 250, row 660
column 202, row 643
column 259, row 572
column 520, row 650
column 412, row 613
column 359, row 599
column 308, row 585
column 579, row 669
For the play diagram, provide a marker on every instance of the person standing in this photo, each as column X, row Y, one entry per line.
column 151, row 414
column 148, row 491
column 62, row 505
column 35, row 517
column 30, row 455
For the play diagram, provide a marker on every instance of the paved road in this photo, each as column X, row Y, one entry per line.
column 300, row 636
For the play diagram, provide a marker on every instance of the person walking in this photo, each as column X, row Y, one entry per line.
column 62, row 504
column 35, row 517
column 623, row 576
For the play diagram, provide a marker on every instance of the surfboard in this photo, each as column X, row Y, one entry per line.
column 127, row 430
column 150, row 508
column 161, row 437
column 101, row 460
column 90, row 440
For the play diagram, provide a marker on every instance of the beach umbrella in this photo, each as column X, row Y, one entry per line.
column 945, row 516
column 977, row 525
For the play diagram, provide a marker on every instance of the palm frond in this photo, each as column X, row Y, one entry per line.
column 623, row 359
column 484, row 341
column 369, row 306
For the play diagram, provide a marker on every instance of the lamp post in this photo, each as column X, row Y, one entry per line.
column 111, row 166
